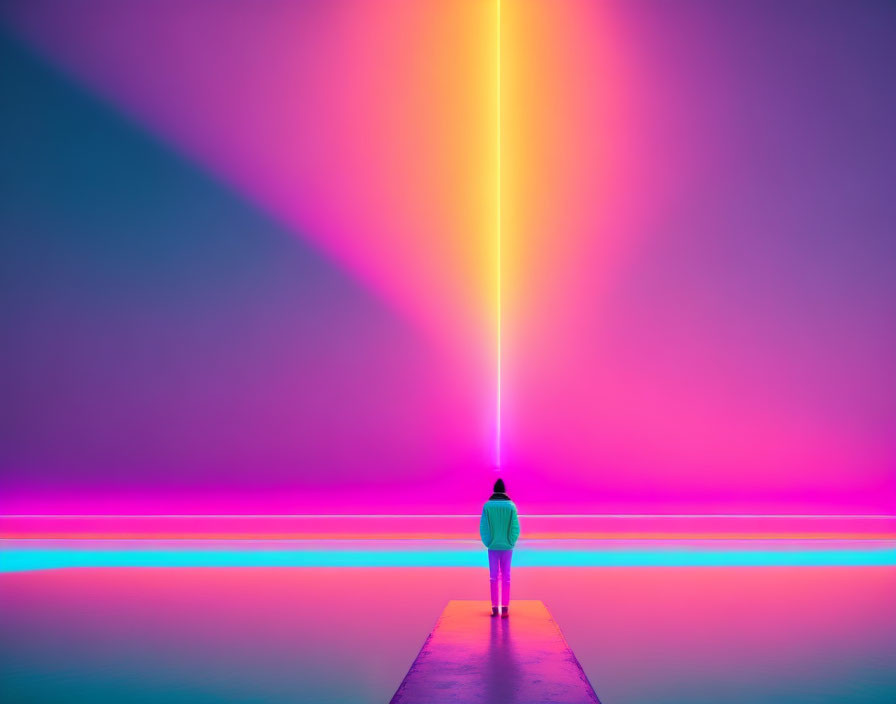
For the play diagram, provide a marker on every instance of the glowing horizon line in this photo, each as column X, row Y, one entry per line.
column 650, row 538
column 820, row 516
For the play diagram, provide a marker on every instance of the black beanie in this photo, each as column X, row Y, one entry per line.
column 499, row 487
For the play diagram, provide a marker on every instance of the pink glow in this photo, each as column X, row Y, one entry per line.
column 446, row 527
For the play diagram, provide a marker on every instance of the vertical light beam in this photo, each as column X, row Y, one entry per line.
column 498, row 235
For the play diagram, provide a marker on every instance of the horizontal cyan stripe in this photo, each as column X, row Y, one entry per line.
column 24, row 560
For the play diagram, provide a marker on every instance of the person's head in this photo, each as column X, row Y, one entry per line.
column 499, row 487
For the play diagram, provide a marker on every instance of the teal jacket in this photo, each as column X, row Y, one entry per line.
column 499, row 526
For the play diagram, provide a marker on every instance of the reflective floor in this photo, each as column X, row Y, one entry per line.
column 312, row 634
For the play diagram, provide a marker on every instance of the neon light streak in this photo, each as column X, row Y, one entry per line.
column 498, row 237
column 444, row 526
column 821, row 516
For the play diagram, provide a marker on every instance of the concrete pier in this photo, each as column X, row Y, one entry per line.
column 473, row 657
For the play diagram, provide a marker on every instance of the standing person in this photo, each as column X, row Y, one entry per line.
column 499, row 528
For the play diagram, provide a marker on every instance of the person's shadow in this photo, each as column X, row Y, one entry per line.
column 503, row 669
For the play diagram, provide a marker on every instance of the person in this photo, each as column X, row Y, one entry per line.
column 499, row 528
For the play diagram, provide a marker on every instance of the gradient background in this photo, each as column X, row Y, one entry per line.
column 249, row 256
